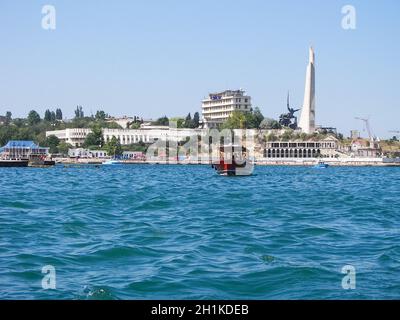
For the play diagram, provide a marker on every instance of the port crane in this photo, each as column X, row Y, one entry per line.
column 372, row 138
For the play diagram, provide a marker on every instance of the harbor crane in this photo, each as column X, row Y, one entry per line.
column 372, row 138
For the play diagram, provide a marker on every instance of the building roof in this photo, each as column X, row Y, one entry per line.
column 21, row 144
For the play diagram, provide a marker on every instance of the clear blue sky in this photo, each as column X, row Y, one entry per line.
column 152, row 58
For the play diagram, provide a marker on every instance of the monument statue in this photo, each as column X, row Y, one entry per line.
column 289, row 120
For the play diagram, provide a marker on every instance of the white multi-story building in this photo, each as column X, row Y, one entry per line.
column 218, row 107
column 149, row 134
column 75, row 137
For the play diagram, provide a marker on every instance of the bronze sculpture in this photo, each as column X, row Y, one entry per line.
column 289, row 120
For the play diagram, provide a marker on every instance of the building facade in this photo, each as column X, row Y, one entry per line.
column 302, row 149
column 326, row 148
column 133, row 155
column 18, row 149
column 75, row 137
column 86, row 153
column 217, row 107
column 364, row 148
column 148, row 134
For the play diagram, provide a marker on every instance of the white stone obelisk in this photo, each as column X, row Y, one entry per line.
column 307, row 119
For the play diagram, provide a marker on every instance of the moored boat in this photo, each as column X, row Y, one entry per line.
column 41, row 162
column 111, row 162
column 234, row 161
column 13, row 163
column 321, row 165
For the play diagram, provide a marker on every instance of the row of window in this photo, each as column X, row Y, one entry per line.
column 230, row 107
column 291, row 153
column 129, row 139
column 219, row 114
column 301, row 145
column 79, row 134
column 225, row 101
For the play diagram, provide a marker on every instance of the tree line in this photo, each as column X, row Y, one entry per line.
column 182, row 123
column 33, row 127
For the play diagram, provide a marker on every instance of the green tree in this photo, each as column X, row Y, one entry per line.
column 271, row 137
column 113, row 147
column 287, row 135
column 52, row 142
column 163, row 121
column 237, row 120
column 95, row 138
column 7, row 133
column 47, row 115
column 8, row 117
column 109, row 125
column 134, row 125
column 100, row 115
column 90, row 141
column 25, row 133
column 244, row 120
column 79, row 112
column 196, row 120
column 257, row 118
column 33, row 117
column 59, row 114
column 304, row 136
column 188, row 121
column 19, row 122
column 268, row 124
column 63, row 147
column 180, row 122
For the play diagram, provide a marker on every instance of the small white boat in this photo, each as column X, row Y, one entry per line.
column 111, row 162
column 321, row 165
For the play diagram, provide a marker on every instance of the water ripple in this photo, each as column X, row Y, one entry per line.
column 164, row 232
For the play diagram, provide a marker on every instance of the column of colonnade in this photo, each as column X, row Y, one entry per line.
column 291, row 153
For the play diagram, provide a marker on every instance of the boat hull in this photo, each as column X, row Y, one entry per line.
column 321, row 166
column 13, row 163
column 42, row 163
column 112, row 163
column 225, row 169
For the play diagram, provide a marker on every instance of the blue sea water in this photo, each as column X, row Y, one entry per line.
column 182, row 232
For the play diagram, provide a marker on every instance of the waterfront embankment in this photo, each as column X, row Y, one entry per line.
column 354, row 162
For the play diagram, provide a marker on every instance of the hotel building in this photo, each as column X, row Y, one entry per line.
column 219, row 106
